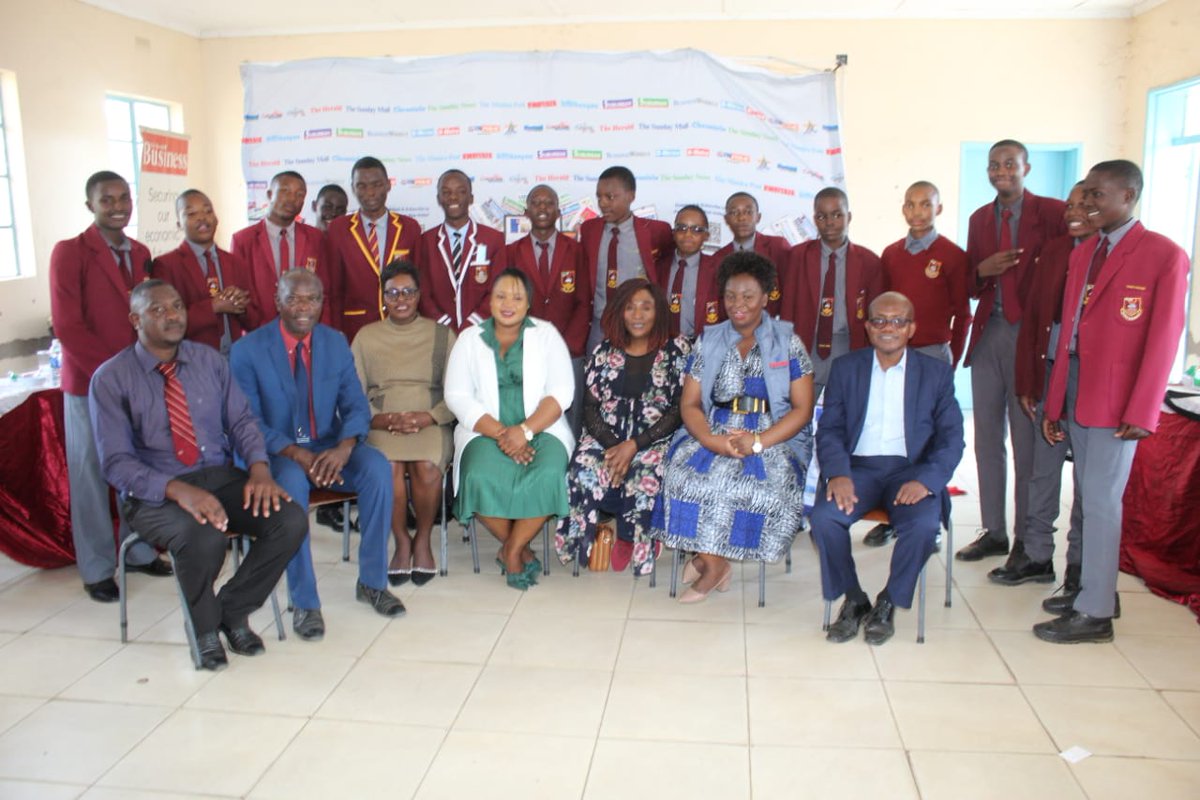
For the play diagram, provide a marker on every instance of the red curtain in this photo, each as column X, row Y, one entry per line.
column 1160, row 535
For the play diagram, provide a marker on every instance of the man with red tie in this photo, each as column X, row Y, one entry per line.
column 1122, row 317
column 556, row 265
column 742, row 217
column 690, row 277
column 278, row 243
column 1004, row 239
column 91, row 277
column 359, row 246
column 458, row 259
column 211, row 281
column 619, row 246
column 832, row 285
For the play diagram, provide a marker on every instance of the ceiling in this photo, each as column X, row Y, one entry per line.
column 230, row 18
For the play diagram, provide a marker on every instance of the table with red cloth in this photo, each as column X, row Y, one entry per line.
column 1160, row 531
column 35, row 503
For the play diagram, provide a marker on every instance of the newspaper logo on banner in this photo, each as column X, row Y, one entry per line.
column 164, row 154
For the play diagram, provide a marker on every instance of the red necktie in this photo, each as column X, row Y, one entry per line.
column 373, row 243
column 544, row 259
column 612, row 259
column 180, row 419
column 677, row 298
column 1008, row 279
column 285, row 255
column 825, row 310
column 210, row 274
column 126, row 268
column 1098, row 259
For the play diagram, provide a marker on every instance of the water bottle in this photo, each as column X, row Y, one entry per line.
column 55, row 361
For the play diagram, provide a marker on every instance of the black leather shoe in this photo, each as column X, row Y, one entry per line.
column 1075, row 628
column 879, row 535
column 848, row 621
column 242, row 640
column 212, row 655
column 1064, row 603
column 330, row 516
column 104, row 591
column 158, row 568
column 308, row 624
column 985, row 545
column 879, row 626
column 1071, row 581
column 383, row 601
column 1020, row 568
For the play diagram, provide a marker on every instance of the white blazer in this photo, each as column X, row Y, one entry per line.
column 472, row 388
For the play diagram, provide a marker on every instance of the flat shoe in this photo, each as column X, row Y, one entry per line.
column 690, row 573
column 104, row 591
column 308, row 624
column 422, row 575
column 383, row 601
column 212, row 654
column 158, row 568
column 398, row 577
column 242, row 640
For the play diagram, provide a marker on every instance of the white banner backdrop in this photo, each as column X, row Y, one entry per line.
column 693, row 128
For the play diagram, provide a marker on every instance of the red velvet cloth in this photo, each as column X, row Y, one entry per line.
column 35, row 504
column 1160, row 532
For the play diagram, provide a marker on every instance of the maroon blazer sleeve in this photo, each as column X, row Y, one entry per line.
column 67, row 299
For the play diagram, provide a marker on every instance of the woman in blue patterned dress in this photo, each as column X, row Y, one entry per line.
column 631, row 408
column 734, row 486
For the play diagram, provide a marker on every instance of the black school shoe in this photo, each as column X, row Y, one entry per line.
column 1075, row 628
column 848, row 621
column 1020, row 568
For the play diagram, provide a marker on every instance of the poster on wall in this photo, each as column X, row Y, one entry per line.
column 164, row 175
column 693, row 128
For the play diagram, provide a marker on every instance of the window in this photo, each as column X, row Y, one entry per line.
column 16, row 250
column 125, row 117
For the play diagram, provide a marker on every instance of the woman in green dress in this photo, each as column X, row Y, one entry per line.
column 508, row 382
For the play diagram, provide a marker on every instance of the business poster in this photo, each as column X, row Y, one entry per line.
column 693, row 128
column 164, row 175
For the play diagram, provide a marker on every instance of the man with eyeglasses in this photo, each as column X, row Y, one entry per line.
column 890, row 437
column 556, row 266
column 742, row 218
column 689, row 276
column 300, row 380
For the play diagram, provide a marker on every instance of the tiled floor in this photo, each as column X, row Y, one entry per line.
column 599, row 687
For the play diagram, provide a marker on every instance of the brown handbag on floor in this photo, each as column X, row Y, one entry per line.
column 598, row 559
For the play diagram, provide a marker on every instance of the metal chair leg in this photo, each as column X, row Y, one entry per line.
column 653, row 566
column 242, row 543
column 787, row 561
column 121, row 553
column 828, row 615
column 189, row 627
column 949, row 559
column 470, row 529
column 921, row 608
column 546, row 547
column 443, row 566
column 674, row 571
column 762, row 584
column 346, row 530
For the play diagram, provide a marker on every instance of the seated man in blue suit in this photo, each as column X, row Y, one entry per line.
column 890, row 436
column 299, row 378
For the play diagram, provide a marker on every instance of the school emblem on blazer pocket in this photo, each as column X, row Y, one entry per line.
column 310, row 264
column 566, row 281
column 481, row 273
column 774, row 295
column 860, row 304
column 214, row 288
column 826, row 306
column 933, row 268
column 1131, row 308
column 710, row 312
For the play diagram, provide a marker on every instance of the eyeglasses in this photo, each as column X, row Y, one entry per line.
column 396, row 294
column 879, row 323
column 697, row 229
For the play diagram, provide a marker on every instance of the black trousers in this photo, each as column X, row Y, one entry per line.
column 199, row 550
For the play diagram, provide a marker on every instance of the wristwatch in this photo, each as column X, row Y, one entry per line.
column 527, row 431
column 757, row 447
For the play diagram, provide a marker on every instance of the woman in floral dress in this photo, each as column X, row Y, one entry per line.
column 631, row 408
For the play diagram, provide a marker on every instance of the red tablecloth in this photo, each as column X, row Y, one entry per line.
column 1160, row 533
column 35, row 504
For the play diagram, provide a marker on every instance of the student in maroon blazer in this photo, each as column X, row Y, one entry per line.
column 560, row 283
column 331, row 202
column 219, row 304
column 1004, row 239
column 691, row 288
column 639, row 243
column 353, row 293
column 742, row 217
column 859, row 278
column 262, row 245
column 459, row 296
column 91, row 277
column 1122, row 316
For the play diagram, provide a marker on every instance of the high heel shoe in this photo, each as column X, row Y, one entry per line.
column 722, row 585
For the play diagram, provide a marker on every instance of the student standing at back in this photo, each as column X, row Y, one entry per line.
column 690, row 277
column 1004, row 239
column 742, row 216
column 619, row 246
column 832, row 285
